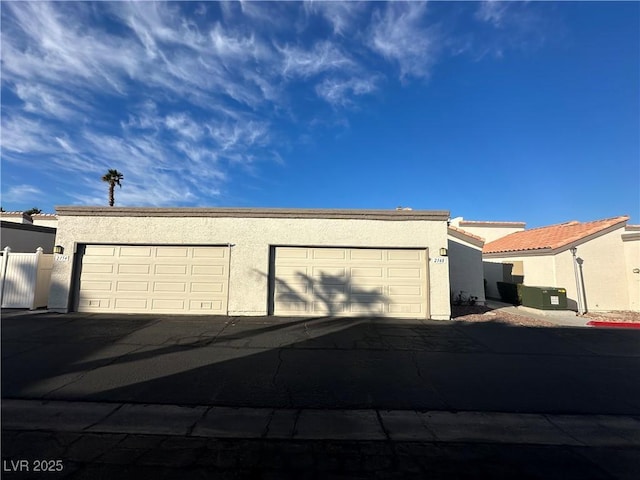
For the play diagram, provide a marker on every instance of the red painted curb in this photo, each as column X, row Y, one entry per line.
column 596, row 323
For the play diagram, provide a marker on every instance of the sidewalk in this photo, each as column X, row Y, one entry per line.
column 134, row 439
column 322, row 424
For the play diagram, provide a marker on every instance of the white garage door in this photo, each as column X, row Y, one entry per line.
column 154, row 279
column 350, row 282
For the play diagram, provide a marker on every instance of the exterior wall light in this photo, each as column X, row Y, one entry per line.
column 443, row 252
column 58, row 249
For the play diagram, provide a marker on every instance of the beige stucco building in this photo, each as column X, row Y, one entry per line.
column 487, row 230
column 465, row 265
column 234, row 261
column 607, row 262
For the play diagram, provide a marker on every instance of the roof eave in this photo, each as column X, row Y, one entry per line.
column 390, row 215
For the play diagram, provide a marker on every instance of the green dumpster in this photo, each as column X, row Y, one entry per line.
column 544, row 298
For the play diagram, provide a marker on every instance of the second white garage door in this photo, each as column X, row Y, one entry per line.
column 349, row 282
column 153, row 279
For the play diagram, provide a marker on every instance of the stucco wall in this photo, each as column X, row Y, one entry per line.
column 603, row 271
column 538, row 271
column 251, row 239
column 465, row 269
column 488, row 232
column 26, row 238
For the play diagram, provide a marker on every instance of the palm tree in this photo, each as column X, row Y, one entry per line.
column 113, row 178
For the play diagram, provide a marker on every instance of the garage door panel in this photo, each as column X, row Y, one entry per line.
column 201, row 287
column 99, row 251
column 170, row 269
column 98, row 268
column 329, row 308
column 404, row 290
column 404, row 309
column 172, row 252
column 95, row 303
column 132, row 286
column 367, row 255
column 169, row 287
column 292, row 253
column 208, row 270
column 206, row 306
column 133, row 269
column 135, row 251
column 329, row 254
column 405, row 273
column 167, row 304
column 366, row 272
column 219, row 253
column 371, row 308
column 127, row 304
column 350, row 281
column 163, row 279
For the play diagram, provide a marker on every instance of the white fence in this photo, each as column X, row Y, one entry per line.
column 24, row 279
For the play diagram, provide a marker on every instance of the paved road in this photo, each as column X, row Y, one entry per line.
column 141, row 396
column 321, row 363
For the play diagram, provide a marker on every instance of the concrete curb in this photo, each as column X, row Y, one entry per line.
column 314, row 424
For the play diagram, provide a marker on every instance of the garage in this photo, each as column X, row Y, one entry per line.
column 153, row 279
column 349, row 282
column 246, row 262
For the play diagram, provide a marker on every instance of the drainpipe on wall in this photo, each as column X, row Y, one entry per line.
column 579, row 287
column 3, row 272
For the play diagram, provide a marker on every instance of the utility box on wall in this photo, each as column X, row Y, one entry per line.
column 544, row 298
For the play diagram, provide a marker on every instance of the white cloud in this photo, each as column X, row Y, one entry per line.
column 182, row 124
column 400, row 35
column 339, row 92
column 341, row 15
column 171, row 99
column 492, row 11
column 21, row 194
column 305, row 63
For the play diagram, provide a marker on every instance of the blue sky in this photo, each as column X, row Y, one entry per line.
column 494, row 110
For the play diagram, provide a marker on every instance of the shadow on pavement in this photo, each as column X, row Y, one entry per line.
column 321, row 363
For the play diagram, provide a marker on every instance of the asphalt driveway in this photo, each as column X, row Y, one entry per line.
column 320, row 363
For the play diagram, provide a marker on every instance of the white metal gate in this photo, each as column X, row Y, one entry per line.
column 25, row 279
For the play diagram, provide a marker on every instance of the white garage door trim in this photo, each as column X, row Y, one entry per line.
column 349, row 281
column 182, row 279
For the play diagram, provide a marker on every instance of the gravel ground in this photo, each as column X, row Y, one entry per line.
column 622, row 317
column 480, row 313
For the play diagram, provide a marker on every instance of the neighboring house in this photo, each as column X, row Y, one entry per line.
column 608, row 261
column 25, row 233
column 16, row 217
column 489, row 231
column 25, row 237
column 465, row 265
column 45, row 219
column 250, row 261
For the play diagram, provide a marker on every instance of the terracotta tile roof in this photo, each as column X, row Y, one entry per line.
column 464, row 232
column 551, row 237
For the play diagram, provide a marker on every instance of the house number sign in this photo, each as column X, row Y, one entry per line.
column 62, row 258
column 439, row 260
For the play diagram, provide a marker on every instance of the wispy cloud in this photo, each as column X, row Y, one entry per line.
column 399, row 33
column 492, row 11
column 340, row 92
column 22, row 194
column 322, row 57
column 174, row 93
